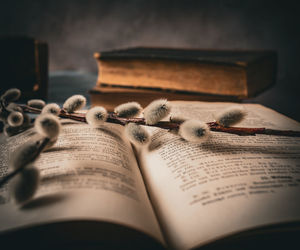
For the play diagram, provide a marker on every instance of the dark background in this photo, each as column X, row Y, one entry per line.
column 75, row 30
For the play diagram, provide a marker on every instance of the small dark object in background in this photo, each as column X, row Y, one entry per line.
column 24, row 65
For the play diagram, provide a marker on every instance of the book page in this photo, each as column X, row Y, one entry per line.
column 89, row 174
column 231, row 183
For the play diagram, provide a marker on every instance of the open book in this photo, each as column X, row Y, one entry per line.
column 97, row 188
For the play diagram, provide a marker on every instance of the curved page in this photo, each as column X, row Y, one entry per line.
column 90, row 174
column 231, row 183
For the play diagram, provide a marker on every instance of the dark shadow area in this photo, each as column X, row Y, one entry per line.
column 220, row 147
column 215, row 146
column 78, row 234
column 57, row 149
column 155, row 145
column 110, row 133
column 46, row 200
column 57, row 177
column 276, row 237
column 2, row 200
column 32, row 133
column 68, row 122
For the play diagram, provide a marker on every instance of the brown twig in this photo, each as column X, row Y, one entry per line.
column 214, row 126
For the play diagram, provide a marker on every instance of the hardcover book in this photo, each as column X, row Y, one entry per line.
column 237, row 73
column 24, row 65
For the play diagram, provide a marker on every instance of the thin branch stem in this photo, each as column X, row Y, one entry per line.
column 252, row 131
column 16, row 171
column 113, row 118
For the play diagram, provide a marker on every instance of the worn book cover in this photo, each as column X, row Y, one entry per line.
column 239, row 73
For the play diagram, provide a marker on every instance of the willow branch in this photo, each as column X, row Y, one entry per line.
column 113, row 118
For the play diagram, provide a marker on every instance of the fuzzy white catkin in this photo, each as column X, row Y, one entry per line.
column 128, row 110
column 11, row 95
column 25, row 184
column 96, row 116
column 75, row 102
column 14, row 107
column 137, row 134
column 47, row 125
column 156, row 111
column 177, row 118
column 51, row 108
column 24, row 154
column 36, row 103
column 15, row 119
column 194, row 131
column 230, row 116
column 10, row 131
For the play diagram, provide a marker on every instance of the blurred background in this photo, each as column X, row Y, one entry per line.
column 74, row 30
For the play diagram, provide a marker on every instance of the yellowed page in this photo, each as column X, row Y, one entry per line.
column 90, row 174
column 230, row 183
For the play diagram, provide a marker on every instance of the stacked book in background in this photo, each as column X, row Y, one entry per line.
column 144, row 74
column 24, row 65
